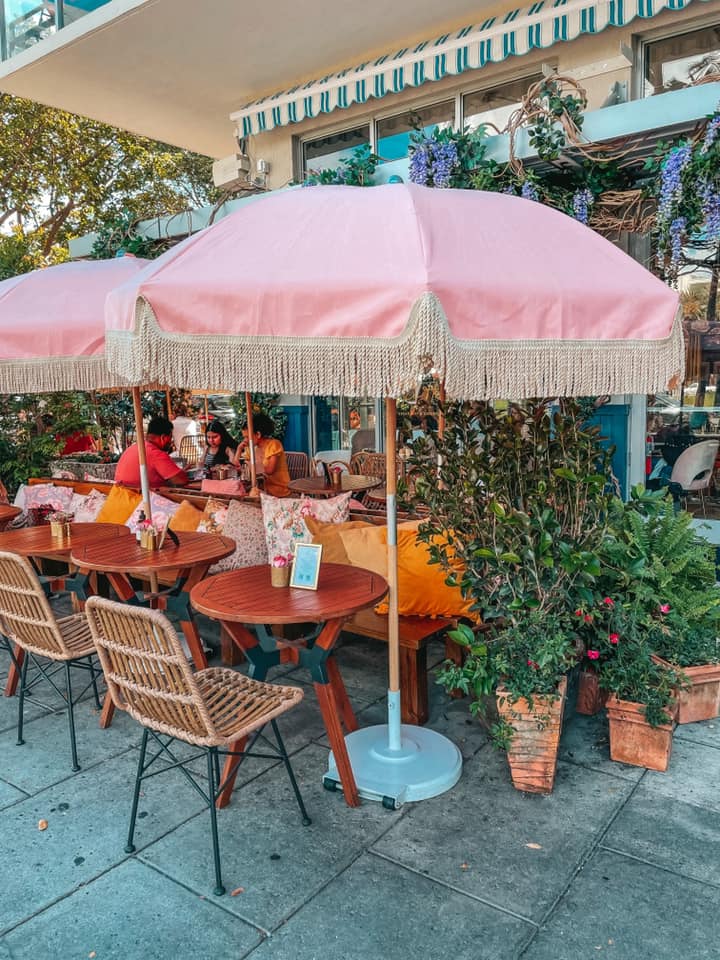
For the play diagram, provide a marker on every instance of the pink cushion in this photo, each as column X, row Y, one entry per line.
column 223, row 486
column 41, row 493
column 284, row 523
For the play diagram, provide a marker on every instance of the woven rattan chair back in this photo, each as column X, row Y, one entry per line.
column 298, row 464
column 26, row 617
column 147, row 672
column 192, row 450
column 369, row 464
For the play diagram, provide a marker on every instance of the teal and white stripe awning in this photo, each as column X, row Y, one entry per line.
column 539, row 26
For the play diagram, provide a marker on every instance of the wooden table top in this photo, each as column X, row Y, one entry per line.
column 349, row 482
column 37, row 541
column 129, row 557
column 246, row 595
column 8, row 512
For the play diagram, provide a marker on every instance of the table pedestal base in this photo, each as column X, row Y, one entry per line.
column 426, row 765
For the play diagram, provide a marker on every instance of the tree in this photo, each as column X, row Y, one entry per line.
column 62, row 175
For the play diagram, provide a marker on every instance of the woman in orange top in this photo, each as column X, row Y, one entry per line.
column 270, row 456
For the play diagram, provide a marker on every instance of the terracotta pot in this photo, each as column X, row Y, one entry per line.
column 533, row 751
column 590, row 698
column 633, row 740
column 701, row 700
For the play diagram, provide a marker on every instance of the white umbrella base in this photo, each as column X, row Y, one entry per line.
column 426, row 765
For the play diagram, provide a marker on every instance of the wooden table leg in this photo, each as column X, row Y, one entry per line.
column 194, row 642
column 329, row 710
column 347, row 713
column 107, row 713
column 224, row 799
column 13, row 676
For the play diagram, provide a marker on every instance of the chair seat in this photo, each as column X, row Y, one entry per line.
column 239, row 705
column 76, row 634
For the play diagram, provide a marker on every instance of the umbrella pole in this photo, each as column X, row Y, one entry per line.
column 168, row 403
column 251, row 445
column 142, row 457
column 394, row 724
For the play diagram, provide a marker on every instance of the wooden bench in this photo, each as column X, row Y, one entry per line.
column 415, row 634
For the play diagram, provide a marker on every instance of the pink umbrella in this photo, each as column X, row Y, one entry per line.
column 52, row 331
column 360, row 291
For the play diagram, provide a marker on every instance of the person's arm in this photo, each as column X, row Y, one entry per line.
column 272, row 451
column 179, row 479
column 168, row 469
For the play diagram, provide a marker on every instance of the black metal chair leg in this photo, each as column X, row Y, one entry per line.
column 130, row 846
column 212, row 761
column 71, row 717
column 21, row 699
column 93, row 674
column 288, row 766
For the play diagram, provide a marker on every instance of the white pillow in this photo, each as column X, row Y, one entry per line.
column 89, row 506
column 244, row 523
column 162, row 510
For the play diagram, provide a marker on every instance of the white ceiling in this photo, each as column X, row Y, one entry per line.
column 176, row 69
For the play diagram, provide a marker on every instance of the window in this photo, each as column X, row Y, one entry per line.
column 393, row 133
column 325, row 153
column 676, row 62
column 496, row 104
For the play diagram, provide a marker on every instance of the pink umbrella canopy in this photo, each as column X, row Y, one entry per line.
column 52, row 326
column 358, row 291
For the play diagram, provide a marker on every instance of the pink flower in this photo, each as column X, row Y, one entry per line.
column 531, row 663
column 578, row 613
column 593, row 655
column 664, row 608
column 281, row 560
column 587, row 618
column 614, row 637
column 609, row 602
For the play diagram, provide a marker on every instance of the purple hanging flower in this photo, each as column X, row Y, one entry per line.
column 677, row 233
column 713, row 128
column 710, row 200
column 582, row 202
column 529, row 191
column 445, row 159
column 671, row 179
column 420, row 161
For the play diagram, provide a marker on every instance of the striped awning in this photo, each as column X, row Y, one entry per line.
column 514, row 33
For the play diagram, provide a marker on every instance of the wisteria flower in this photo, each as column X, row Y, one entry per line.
column 593, row 654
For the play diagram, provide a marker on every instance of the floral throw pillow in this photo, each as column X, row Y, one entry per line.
column 214, row 515
column 89, row 506
column 162, row 509
column 40, row 494
column 285, row 524
column 244, row 523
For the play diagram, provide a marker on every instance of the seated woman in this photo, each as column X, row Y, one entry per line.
column 269, row 456
column 219, row 445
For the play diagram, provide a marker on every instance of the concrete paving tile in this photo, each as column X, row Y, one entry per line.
column 87, row 818
column 692, row 775
column 363, row 663
column 265, row 848
column 377, row 909
column 626, row 910
column 45, row 756
column 481, row 836
column 9, row 794
column 143, row 915
column 707, row 732
column 668, row 833
column 9, row 712
column 585, row 740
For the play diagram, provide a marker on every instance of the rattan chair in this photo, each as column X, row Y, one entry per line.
column 192, row 450
column 216, row 709
column 298, row 465
column 28, row 622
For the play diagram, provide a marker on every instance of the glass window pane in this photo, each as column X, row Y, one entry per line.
column 677, row 62
column 393, row 133
column 495, row 105
column 325, row 153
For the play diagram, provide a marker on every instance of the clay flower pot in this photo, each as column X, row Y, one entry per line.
column 533, row 751
column 701, row 699
column 590, row 698
column 633, row 740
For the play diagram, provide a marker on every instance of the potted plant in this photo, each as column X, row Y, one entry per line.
column 694, row 648
column 592, row 623
column 641, row 705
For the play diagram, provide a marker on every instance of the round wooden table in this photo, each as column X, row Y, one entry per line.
column 246, row 596
column 7, row 513
column 189, row 562
column 37, row 542
column 349, row 483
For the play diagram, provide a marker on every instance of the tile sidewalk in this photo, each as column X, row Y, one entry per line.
column 617, row 863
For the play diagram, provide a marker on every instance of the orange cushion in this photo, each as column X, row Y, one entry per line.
column 328, row 534
column 186, row 517
column 119, row 505
column 366, row 547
